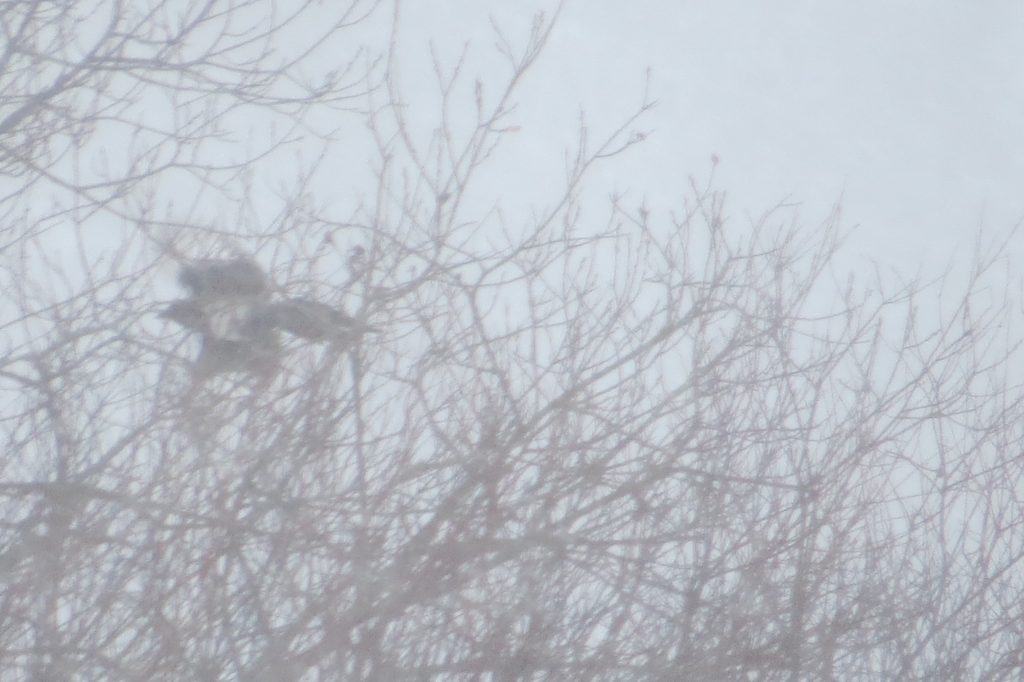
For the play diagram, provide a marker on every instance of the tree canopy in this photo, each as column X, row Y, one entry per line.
column 588, row 438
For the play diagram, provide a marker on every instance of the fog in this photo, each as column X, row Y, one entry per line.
column 490, row 341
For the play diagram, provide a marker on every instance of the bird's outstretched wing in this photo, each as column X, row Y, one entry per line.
column 189, row 314
column 314, row 321
column 223, row 278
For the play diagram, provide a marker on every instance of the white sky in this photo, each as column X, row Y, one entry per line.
column 911, row 110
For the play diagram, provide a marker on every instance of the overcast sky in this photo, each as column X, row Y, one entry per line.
column 912, row 111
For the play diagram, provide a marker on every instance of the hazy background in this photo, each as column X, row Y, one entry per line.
column 579, row 443
column 910, row 112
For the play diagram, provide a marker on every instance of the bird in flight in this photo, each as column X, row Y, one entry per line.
column 225, row 297
column 229, row 306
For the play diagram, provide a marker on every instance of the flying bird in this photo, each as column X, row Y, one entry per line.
column 229, row 306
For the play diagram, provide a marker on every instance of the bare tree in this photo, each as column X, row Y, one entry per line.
column 596, row 442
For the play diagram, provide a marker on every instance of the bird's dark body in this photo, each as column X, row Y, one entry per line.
column 234, row 355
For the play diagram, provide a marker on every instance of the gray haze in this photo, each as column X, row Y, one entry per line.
column 476, row 340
